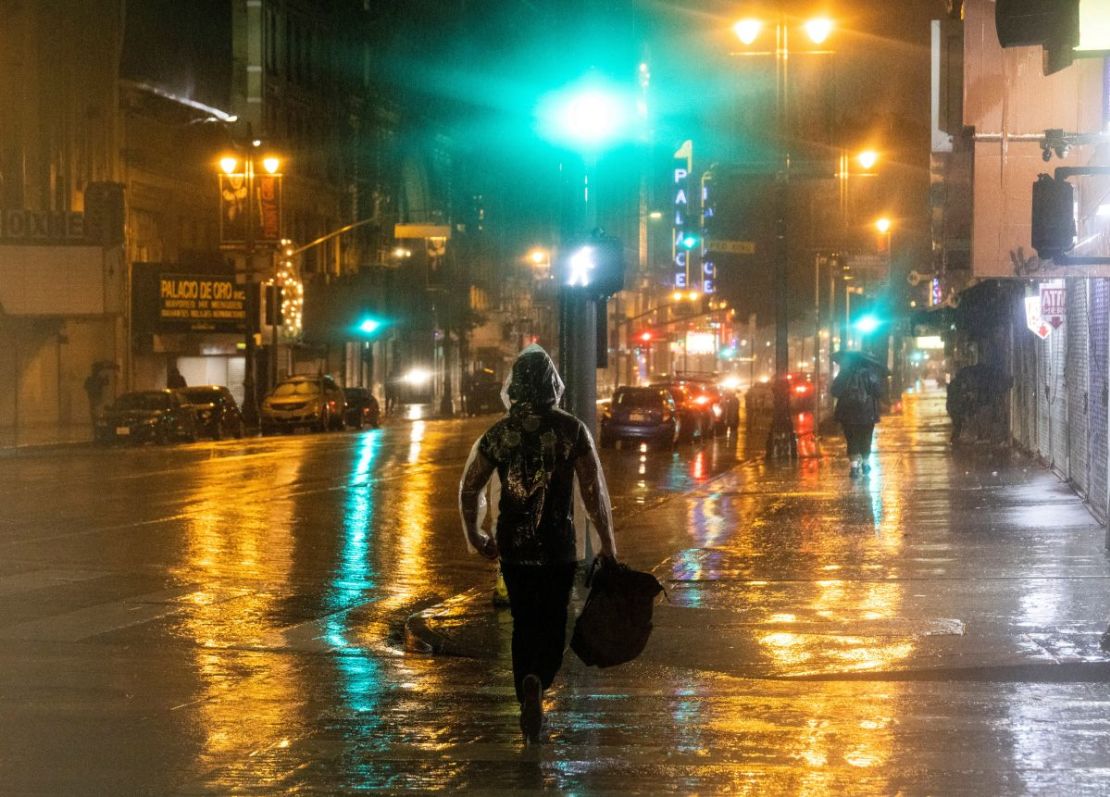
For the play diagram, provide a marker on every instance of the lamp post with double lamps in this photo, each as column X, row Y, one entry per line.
column 782, row 441
column 250, row 184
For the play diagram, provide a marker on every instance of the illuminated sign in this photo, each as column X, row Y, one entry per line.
column 195, row 303
column 708, row 266
column 701, row 343
column 929, row 342
column 681, row 219
column 1033, row 318
column 1054, row 304
column 168, row 302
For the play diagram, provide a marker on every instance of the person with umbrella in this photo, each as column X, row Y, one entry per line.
column 858, row 388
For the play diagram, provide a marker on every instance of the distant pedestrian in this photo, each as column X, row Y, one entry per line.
column 537, row 451
column 858, row 389
column 175, row 381
column 95, row 383
column 392, row 391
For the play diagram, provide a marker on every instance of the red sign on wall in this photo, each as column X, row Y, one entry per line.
column 1054, row 305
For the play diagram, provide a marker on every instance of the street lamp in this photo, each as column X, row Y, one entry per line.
column 250, row 188
column 781, row 439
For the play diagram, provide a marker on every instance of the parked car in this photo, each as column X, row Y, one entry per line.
column 485, row 397
column 707, row 393
column 640, row 413
column 146, row 415
column 217, row 414
column 799, row 388
column 803, row 393
column 315, row 402
column 694, row 414
column 361, row 408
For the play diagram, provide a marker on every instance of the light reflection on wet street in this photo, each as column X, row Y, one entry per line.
column 225, row 617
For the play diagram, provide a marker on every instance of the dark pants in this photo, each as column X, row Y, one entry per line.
column 858, row 436
column 538, row 598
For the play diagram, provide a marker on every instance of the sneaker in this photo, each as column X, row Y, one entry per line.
column 531, row 709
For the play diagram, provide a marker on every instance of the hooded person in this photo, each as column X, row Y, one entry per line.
column 537, row 453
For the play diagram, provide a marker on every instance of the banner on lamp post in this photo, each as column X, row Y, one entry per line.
column 245, row 220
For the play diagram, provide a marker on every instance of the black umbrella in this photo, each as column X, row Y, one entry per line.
column 858, row 359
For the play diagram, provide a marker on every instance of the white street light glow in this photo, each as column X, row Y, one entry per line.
column 747, row 30
column 868, row 158
column 229, row 165
column 818, row 29
column 417, row 377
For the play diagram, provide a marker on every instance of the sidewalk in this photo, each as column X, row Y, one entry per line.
column 937, row 560
column 44, row 435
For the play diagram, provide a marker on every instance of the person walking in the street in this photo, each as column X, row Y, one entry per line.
column 95, row 383
column 858, row 388
column 392, row 391
column 175, row 381
column 537, row 451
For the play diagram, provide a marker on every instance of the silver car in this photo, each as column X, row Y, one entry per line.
column 315, row 402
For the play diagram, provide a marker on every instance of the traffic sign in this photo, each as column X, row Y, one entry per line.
column 731, row 247
column 1054, row 304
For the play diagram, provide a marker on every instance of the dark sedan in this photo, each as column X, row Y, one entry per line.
column 147, row 415
column 640, row 413
column 362, row 409
column 218, row 415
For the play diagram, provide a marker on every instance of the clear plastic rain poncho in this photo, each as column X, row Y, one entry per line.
column 528, row 465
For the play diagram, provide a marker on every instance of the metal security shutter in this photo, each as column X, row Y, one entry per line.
column 1058, row 398
column 1098, row 447
column 1044, row 399
column 1077, row 374
column 1024, row 394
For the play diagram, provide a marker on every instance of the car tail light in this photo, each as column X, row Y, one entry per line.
column 702, row 400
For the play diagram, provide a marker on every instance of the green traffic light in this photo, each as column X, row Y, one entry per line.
column 588, row 115
column 689, row 242
column 867, row 324
column 368, row 326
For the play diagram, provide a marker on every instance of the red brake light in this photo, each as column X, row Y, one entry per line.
column 702, row 400
column 801, row 389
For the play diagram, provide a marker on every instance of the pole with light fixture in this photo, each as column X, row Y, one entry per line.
column 782, row 440
column 250, row 219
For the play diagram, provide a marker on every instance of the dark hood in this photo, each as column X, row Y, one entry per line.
column 534, row 382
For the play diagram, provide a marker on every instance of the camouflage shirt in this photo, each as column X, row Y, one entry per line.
column 534, row 453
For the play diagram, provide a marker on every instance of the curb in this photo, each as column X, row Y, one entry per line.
column 459, row 610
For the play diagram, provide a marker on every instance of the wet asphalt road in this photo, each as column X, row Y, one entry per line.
column 171, row 617
column 227, row 618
